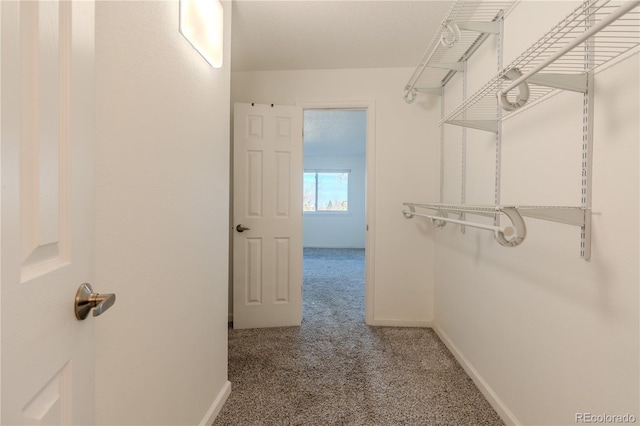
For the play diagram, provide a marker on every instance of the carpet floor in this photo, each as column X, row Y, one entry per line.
column 336, row 370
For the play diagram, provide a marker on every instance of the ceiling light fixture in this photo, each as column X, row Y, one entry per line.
column 201, row 24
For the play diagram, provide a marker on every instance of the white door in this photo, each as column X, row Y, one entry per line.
column 47, row 231
column 267, row 180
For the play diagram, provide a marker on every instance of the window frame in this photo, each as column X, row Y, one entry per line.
column 328, row 212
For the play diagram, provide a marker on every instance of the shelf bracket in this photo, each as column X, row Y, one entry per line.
column 492, row 27
column 453, row 66
column 573, row 82
column 568, row 216
column 411, row 94
column 429, row 90
column 486, row 125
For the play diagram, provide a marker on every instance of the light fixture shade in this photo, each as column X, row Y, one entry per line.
column 201, row 24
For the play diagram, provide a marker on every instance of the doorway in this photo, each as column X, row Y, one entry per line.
column 247, row 284
column 335, row 195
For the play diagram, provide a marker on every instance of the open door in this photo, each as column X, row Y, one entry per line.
column 267, row 212
column 47, row 131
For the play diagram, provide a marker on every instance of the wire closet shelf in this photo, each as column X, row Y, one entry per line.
column 592, row 35
column 463, row 29
column 565, row 58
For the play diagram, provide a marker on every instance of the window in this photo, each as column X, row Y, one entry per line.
column 326, row 191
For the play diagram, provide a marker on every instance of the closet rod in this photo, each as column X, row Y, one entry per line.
column 508, row 236
column 590, row 32
column 408, row 215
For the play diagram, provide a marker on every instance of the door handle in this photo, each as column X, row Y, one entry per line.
column 241, row 228
column 86, row 300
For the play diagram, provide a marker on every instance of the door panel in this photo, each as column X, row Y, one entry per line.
column 268, row 200
column 47, row 230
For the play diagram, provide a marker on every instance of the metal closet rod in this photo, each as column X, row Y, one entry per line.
column 568, row 215
column 620, row 11
column 508, row 236
column 409, row 214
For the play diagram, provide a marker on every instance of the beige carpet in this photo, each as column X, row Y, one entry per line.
column 335, row 370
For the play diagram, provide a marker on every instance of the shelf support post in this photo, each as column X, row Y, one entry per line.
column 587, row 141
column 442, row 147
column 498, row 169
column 463, row 178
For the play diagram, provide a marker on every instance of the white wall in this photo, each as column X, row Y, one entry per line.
column 162, row 201
column 338, row 230
column 405, row 170
column 546, row 334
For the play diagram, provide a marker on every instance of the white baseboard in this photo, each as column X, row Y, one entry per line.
column 496, row 402
column 391, row 322
column 215, row 408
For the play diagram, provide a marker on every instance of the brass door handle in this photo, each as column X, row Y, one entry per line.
column 86, row 300
column 241, row 228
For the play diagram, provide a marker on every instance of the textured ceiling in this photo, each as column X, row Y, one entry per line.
column 301, row 34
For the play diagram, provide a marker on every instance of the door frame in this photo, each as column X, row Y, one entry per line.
column 370, row 107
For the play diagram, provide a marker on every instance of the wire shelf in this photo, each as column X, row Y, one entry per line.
column 472, row 21
column 545, row 67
